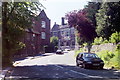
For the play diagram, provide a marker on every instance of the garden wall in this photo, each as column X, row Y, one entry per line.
column 106, row 46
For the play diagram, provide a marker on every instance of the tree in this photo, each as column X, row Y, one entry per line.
column 54, row 41
column 115, row 37
column 91, row 9
column 83, row 25
column 108, row 19
column 16, row 17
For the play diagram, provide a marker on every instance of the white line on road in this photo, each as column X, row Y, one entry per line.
column 86, row 75
column 78, row 73
column 59, row 66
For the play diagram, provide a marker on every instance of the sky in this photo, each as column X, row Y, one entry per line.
column 55, row 9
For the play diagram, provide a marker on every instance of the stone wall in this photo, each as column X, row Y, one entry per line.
column 106, row 46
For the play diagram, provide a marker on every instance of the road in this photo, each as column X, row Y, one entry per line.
column 51, row 65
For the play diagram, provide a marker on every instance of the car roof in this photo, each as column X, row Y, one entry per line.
column 59, row 50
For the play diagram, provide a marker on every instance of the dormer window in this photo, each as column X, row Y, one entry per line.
column 43, row 24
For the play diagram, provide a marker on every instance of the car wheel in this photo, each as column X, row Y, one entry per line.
column 101, row 67
column 84, row 66
column 81, row 66
column 77, row 64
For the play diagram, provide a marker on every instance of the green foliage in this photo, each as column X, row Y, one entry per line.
column 17, row 16
column 54, row 41
column 98, row 41
column 108, row 18
column 53, row 44
column 91, row 9
column 111, row 59
column 80, row 41
column 115, row 37
column 102, row 20
column 84, row 44
column 105, row 41
column 106, row 55
column 117, row 56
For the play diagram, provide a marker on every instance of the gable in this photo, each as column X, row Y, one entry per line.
column 43, row 15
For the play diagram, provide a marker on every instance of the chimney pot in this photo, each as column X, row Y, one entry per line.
column 63, row 23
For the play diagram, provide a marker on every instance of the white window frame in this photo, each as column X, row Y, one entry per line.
column 43, row 24
column 43, row 35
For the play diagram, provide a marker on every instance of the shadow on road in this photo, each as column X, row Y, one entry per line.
column 32, row 57
column 56, row 72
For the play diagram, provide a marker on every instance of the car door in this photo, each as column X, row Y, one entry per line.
column 80, row 59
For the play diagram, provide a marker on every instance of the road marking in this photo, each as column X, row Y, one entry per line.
column 86, row 75
column 59, row 66
column 78, row 73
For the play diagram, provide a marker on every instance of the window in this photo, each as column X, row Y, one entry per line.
column 43, row 36
column 33, row 35
column 67, row 33
column 54, row 33
column 43, row 24
column 72, row 30
column 73, row 42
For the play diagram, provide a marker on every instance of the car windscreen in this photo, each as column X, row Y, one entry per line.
column 91, row 56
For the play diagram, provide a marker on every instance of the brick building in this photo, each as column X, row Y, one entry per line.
column 38, row 37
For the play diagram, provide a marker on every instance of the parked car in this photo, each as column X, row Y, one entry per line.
column 67, row 49
column 89, row 60
column 59, row 52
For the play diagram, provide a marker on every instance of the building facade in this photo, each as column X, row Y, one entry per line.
column 55, row 30
column 65, row 34
column 36, row 37
column 66, row 37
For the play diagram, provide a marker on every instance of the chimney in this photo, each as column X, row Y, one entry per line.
column 63, row 23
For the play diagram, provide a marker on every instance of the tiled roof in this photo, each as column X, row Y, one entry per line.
column 43, row 14
column 55, row 27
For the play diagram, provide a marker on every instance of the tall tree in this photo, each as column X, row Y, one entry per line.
column 91, row 9
column 16, row 17
column 83, row 25
column 108, row 19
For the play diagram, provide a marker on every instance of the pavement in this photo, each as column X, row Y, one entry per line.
column 4, row 72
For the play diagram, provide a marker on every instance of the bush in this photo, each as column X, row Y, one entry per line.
column 98, row 41
column 105, row 41
column 106, row 55
column 115, row 37
column 116, row 59
column 111, row 59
